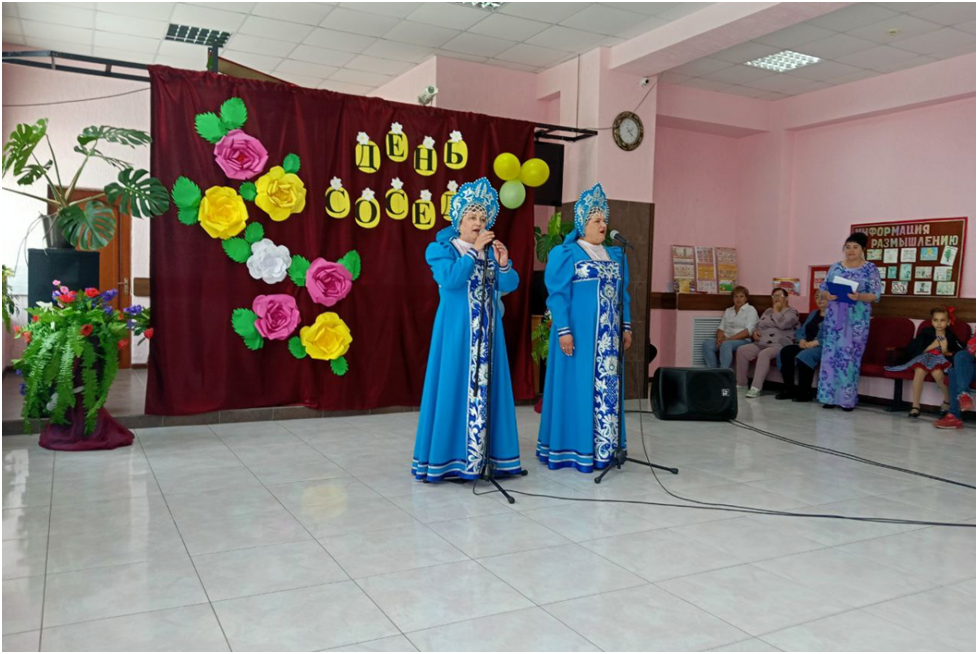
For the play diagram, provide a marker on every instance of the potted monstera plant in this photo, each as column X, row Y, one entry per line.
column 88, row 224
column 70, row 362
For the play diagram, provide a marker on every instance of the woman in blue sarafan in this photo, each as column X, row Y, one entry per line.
column 457, row 388
column 580, row 423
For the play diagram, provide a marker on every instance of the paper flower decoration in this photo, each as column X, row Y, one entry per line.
column 367, row 194
column 239, row 155
column 222, row 212
column 453, row 186
column 397, row 184
column 455, row 136
column 327, row 339
column 269, row 262
column 428, row 143
column 277, row 316
column 336, row 183
column 362, row 138
column 280, row 194
column 397, row 128
column 328, row 282
column 426, row 195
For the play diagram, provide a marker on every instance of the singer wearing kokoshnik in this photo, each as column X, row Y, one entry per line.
column 579, row 425
column 471, row 270
column 851, row 286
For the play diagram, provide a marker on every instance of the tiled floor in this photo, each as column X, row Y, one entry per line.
column 312, row 535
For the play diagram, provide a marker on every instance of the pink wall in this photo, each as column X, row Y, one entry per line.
column 407, row 87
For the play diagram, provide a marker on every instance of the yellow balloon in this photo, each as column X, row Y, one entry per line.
column 535, row 172
column 506, row 166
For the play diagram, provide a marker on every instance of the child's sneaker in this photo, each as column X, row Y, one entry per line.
column 950, row 421
column 966, row 401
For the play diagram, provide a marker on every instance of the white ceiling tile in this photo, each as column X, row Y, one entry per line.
column 125, row 55
column 279, row 30
column 48, row 12
column 258, row 61
column 151, row 10
column 706, row 84
column 814, row 86
column 681, row 9
column 565, row 38
column 906, row 26
column 180, row 62
column 305, row 68
column 602, row 19
column 10, row 8
column 321, row 56
column 513, row 28
column 299, row 80
column 334, row 40
column 343, row 87
column 449, row 15
column 738, row 74
column 954, row 52
column 794, row 37
column 905, row 64
column 948, row 13
column 398, row 51
column 836, row 46
column 260, row 45
column 741, row 54
column 359, row 22
column 851, row 17
column 531, row 55
column 305, row 13
column 703, row 66
column 823, row 71
column 745, row 91
column 513, row 65
column 360, row 77
column 377, row 65
column 641, row 27
column 477, row 45
column 779, row 83
column 966, row 27
column 213, row 19
column 904, row 7
column 878, row 56
column 125, row 42
column 854, row 77
column 647, row 8
column 447, row 54
column 672, row 77
column 548, row 12
column 11, row 25
column 399, row 9
column 57, row 46
column 942, row 39
column 61, row 33
column 179, row 50
column 431, row 36
column 772, row 96
column 131, row 25
column 239, row 7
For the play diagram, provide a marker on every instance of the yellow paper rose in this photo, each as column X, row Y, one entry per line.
column 280, row 194
column 328, row 338
column 222, row 212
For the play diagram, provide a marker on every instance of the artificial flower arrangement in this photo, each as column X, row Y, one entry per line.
column 73, row 348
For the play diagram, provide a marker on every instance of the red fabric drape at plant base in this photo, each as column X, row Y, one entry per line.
column 199, row 364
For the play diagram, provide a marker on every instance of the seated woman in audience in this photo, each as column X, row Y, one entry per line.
column 931, row 352
column 803, row 356
column 735, row 329
column 847, row 325
column 774, row 330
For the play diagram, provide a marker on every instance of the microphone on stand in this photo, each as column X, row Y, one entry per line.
column 616, row 236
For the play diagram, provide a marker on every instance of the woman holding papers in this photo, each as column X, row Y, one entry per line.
column 851, row 286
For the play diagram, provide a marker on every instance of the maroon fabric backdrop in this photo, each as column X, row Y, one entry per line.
column 198, row 364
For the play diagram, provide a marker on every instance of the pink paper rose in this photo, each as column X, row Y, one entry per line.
column 278, row 316
column 240, row 156
column 328, row 282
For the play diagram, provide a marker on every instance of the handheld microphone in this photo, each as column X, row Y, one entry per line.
column 616, row 236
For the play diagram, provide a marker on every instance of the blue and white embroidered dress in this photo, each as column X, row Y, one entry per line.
column 579, row 427
column 452, row 425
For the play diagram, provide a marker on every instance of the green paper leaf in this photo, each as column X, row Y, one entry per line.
column 234, row 113
column 90, row 228
column 210, row 127
column 243, row 323
column 248, row 191
column 237, row 249
column 351, row 261
column 254, row 233
column 291, row 163
column 339, row 366
column 296, row 347
column 188, row 216
column 138, row 194
column 254, row 341
column 297, row 271
column 185, row 193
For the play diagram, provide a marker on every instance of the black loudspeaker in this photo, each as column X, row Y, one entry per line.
column 694, row 394
column 74, row 269
column 552, row 192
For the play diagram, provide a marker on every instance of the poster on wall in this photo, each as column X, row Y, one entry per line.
column 683, row 269
column 816, row 275
column 706, row 270
column 791, row 285
column 926, row 255
column 726, row 269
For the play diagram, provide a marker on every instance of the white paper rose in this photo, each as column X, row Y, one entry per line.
column 269, row 262
column 426, row 195
column 428, row 142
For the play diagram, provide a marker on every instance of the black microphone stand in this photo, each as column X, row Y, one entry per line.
column 620, row 455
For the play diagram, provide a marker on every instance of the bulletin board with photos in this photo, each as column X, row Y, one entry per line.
column 917, row 258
